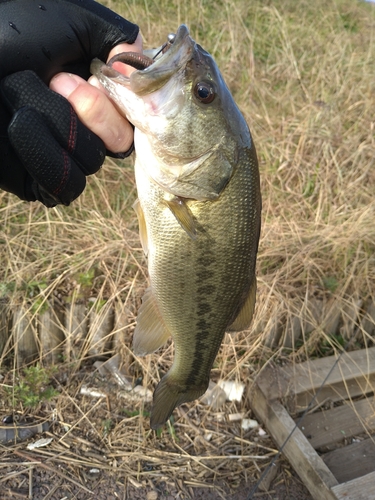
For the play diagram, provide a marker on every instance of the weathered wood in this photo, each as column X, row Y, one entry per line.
column 76, row 326
column 266, row 482
column 352, row 461
column 293, row 332
column 362, row 488
column 101, row 325
column 312, row 314
column 368, row 320
column 51, row 334
column 352, row 376
column 321, row 475
column 5, row 325
column 121, row 324
column 331, row 317
column 271, row 380
column 327, row 427
column 307, row 463
column 25, row 337
column 275, row 330
column 350, row 315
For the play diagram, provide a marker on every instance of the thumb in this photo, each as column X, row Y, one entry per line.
column 95, row 110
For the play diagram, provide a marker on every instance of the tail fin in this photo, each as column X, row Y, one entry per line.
column 168, row 395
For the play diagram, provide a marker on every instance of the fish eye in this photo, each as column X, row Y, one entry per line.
column 204, row 92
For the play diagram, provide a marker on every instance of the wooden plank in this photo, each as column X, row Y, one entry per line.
column 353, row 375
column 368, row 320
column 121, row 324
column 122, row 335
column 328, row 427
column 274, row 326
column 350, row 316
column 76, row 326
column 5, row 325
column 331, row 316
column 313, row 314
column 362, row 488
column 306, row 462
column 272, row 382
column 293, row 332
column 101, row 325
column 352, row 461
column 266, row 482
column 24, row 336
column 51, row 334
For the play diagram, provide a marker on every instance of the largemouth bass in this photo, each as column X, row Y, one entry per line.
column 199, row 207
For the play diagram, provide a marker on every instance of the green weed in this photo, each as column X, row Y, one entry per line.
column 34, row 386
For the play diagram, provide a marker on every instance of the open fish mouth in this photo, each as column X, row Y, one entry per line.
column 143, row 61
column 155, row 67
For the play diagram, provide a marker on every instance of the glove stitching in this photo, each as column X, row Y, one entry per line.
column 72, row 131
column 65, row 173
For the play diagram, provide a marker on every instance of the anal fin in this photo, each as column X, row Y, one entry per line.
column 245, row 315
column 150, row 332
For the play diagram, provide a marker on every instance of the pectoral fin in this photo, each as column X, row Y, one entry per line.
column 245, row 315
column 150, row 332
column 142, row 225
column 184, row 217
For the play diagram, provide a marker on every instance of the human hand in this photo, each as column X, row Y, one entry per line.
column 45, row 150
column 93, row 106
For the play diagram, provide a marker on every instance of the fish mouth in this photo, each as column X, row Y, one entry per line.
column 152, row 73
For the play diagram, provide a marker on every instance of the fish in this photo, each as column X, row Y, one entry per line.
column 198, row 206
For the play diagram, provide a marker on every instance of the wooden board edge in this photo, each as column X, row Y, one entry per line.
column 331, row 426
column 306, row 462
column 296, row 385
column 352, row 461
column 361, row 488
column 309, row 375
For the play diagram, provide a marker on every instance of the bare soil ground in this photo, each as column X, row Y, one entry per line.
column 49, row 481
column 99, row 451
column 110, row 487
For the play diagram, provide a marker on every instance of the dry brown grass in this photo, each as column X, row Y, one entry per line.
column 303, row 74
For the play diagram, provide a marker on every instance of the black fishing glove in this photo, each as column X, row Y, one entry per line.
column 45, row 151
